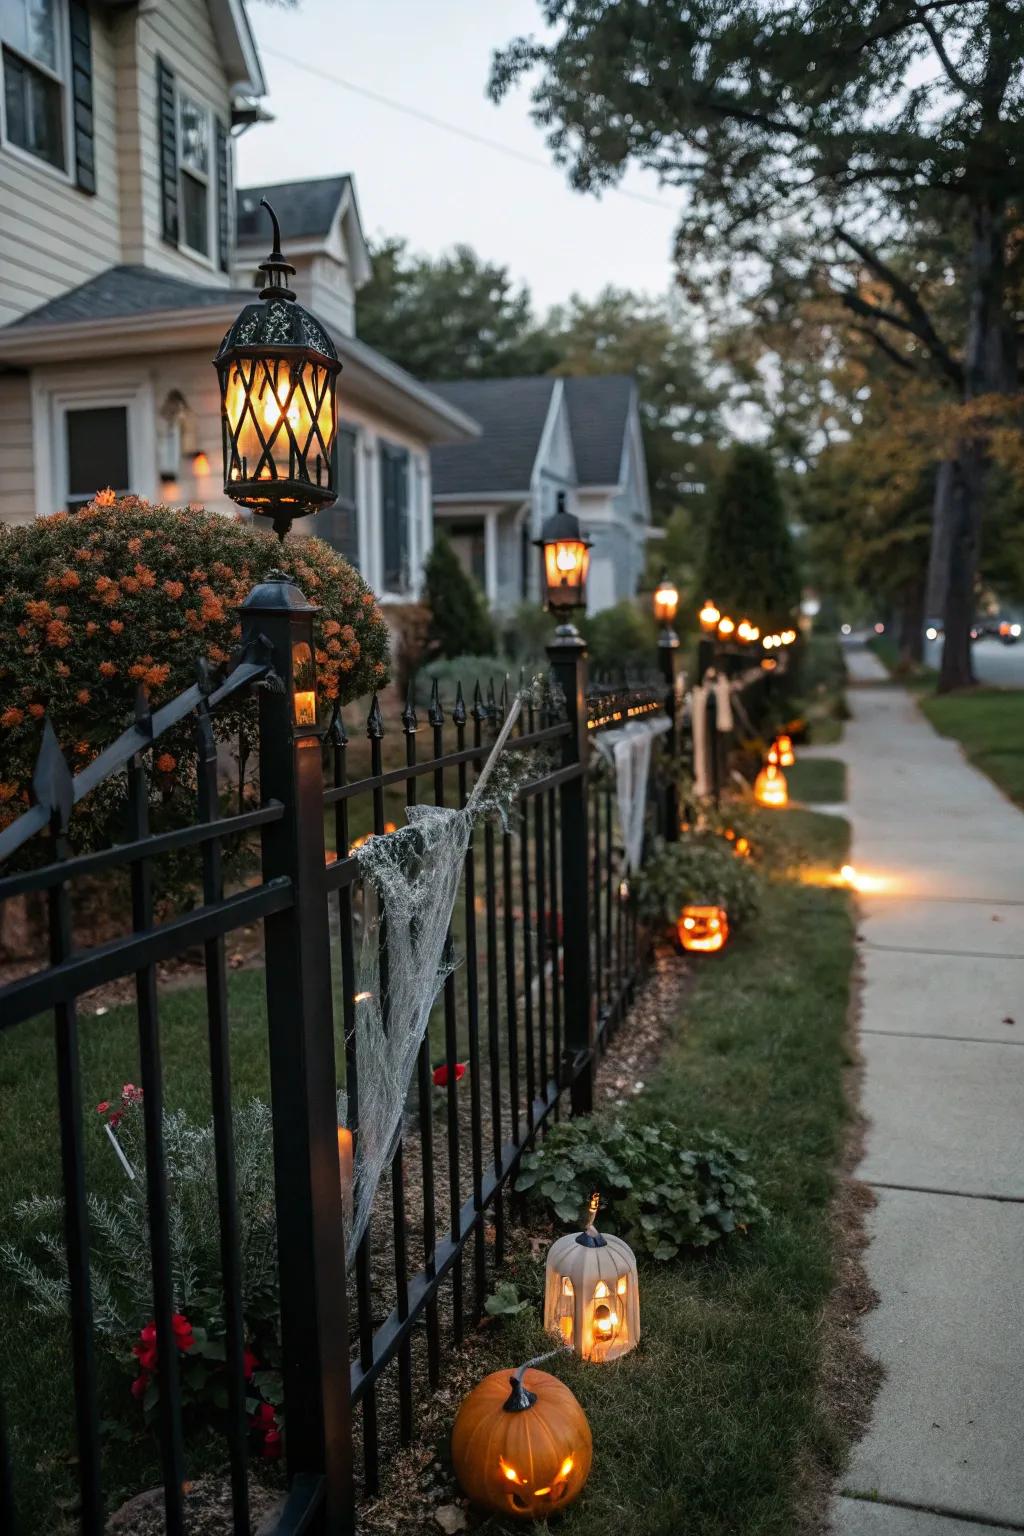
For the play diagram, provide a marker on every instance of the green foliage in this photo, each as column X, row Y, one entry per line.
column 526, row 634
column 750, row 565
column 702, row 869
column 459, row 622
column 488, row 671
column 657, row 1191
column 456, row 317
column 621, row 638
column 120, row 593
column 505, row 1301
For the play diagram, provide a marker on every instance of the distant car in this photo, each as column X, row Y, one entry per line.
column 933, row 629
column 846, row 629
column 1009, row 631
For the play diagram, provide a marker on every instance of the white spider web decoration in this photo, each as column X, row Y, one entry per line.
column 628, row 749
column 415, row 875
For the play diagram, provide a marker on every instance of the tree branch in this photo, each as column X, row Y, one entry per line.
column 952, row 73
column 859, row 306
column 911, row 303
column 887, row 347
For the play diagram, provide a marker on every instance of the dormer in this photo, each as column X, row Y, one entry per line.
column 323, row 237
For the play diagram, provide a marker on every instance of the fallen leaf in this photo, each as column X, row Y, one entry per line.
column 451, row 1518
column 1008, row 1020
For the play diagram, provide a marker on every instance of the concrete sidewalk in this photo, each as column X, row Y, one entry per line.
column 942, row 1035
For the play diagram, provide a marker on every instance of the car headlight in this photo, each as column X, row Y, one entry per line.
column 1015, row 631
column 932, row 632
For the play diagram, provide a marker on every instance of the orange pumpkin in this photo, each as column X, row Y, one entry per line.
column 703, row 928
column 770, row 787
column 521, row 1445
column 784, row 748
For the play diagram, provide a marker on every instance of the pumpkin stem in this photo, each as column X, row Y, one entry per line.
column 519, row 1398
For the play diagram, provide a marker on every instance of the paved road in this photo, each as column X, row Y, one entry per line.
column 942, row 1039
column 1000, row 665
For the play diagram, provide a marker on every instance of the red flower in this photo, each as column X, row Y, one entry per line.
column 102, row 1106
column 145, row 1351
column 183, row 1336
column 272, row 1445
column 441, row 1074
column 249, row 1363
column 139, row 1385
column 130, row 1094
column 115, row 1119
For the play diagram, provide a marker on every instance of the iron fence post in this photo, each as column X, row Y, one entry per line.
column 568, row 656
column 311, row 1247
column 669, row 660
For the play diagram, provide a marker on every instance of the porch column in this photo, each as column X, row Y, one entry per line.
column 368, row 511
column 491, row 557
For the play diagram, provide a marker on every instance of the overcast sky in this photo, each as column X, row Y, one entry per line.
column 433, row 186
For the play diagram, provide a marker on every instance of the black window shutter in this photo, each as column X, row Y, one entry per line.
column 81, row 97
column 223, row 195
column 167, row 121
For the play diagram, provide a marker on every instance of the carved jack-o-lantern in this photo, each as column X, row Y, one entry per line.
column 591, row 1294
column 703, row 928
column 784, row 750
column 521, row 1444
column 770, row 786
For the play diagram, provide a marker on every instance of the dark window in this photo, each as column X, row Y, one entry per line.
column 34, row 104
column 338, row 526
column 97, row 452
column 394, row 473
column 195, row 161
column 195, row 214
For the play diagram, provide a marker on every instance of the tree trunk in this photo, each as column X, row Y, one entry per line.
column 912, row 625
column 986, row 371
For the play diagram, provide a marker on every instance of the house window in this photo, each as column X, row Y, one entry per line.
column 96, row 446
column 338, row 526
column 195, row 157
column 394, row 472
column 34, row 35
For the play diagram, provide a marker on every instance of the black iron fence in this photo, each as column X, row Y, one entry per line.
column 551, row 955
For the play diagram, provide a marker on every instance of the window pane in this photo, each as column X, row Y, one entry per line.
column 195, row 208
column 394, row 467
column 97, row 451
column 195, row 137
column 41, row 42
column 34, row 108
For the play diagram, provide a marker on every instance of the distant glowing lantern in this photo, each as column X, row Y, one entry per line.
column 743, row 847
column 770, row 786
column 278, row 370
column 666, row 600
column 200, row 464
column 566, row 559
column 521, row 1444
column 709, row 616
column 591, row 1293
column 704, row 929
column 726, row 627
column 784, row 748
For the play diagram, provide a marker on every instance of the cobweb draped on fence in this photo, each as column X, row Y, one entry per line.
column 629, row 752
column 414, row 876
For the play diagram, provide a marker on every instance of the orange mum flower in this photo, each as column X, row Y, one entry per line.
column 82, row 749
column 83, row 695
column 174, row 589
column 165, row 763
column 62, row 670
column 130, row 585
column 39, row 612
column 157, row 676
column 134, row 546
column 69, row 580
column 58, row 634
column 91, row 627
column 116, row 627
column 104, row 498
column 8, row 791
column 138, row 671
column 107, row 669
column 12, row 716
column 37, row 711
column 144, row 575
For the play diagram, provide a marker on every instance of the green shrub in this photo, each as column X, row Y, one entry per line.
column 701, row 868
column 750, row 564
column 526, row 633
column 460, row 624
column 96, row 602
column 467, row 670
column 657, row 1191
column 621, row 639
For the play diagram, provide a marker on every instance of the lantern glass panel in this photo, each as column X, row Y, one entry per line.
column 666, row 602
column 280, row 420
column 304, row 686
column 565, row 570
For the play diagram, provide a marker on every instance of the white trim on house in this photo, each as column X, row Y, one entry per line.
column 54, row 393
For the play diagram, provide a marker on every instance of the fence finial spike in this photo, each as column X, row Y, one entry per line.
column 336, row 732
column 435, row 714
column 375, row 720
column 479, row 712
column 459, row 712
column 409, row 719
column 52, row 784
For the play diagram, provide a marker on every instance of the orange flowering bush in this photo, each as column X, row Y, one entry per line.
column 121, row 592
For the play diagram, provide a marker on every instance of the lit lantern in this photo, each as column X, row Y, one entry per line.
column 743, row 847
column 666, row 600
column 278, row 370
column 709, row 616
column 304, row 710
column 784, row 748
column 770, row 786
column 566, row 558
column 726, row 627
column 521, row 1444
column 704, row 929
column 591, row 1293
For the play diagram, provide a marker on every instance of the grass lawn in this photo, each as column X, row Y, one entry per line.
column 989, row 724
column 714, row 1425
column 817, row 780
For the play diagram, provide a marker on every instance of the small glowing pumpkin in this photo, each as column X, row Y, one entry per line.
column 784, row 749
column 703, row 928
column 770, row 787
column 521, row 1444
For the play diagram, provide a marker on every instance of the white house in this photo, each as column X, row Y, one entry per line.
column 125, row 253
column 540, row 436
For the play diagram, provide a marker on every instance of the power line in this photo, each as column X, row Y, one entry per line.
column 439, row 122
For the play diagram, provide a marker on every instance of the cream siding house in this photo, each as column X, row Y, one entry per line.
column 540, row 436
column 127, row 251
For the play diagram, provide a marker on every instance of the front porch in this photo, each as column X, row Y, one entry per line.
column 493, row 541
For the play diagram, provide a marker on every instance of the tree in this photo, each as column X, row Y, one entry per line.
column 622, row 332
column 459, row 624
column 458, row 317
column 806, row 154
column 750, row 564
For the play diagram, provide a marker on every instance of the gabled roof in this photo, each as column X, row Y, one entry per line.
column 305, row 209
column 128, row 290
column 512, row 413
column 598, row 417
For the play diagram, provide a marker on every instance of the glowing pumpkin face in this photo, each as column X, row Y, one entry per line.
column 784, row 748
column 703, row 928
column 522, row 1447
column 770, row 786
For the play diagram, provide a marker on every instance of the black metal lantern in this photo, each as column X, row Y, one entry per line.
column 566, row 558
column 278, row 369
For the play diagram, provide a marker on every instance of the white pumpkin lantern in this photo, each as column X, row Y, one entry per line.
column 591, row 1293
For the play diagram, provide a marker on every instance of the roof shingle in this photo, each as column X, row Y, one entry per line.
column 304, row 209
column 125, row 291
